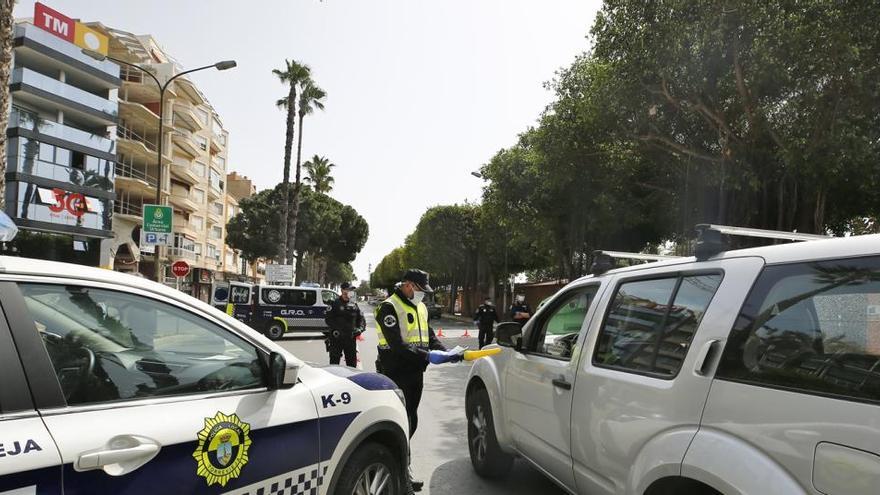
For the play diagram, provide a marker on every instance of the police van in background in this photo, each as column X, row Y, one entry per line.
column 112, row 384
column 274, row 309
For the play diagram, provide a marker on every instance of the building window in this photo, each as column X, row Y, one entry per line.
column 216, row 181
column 202, row 140
column 204, row 116
column 197, row 248
column 217, row 127
column 199, row 169
column 216, row 232
column 198, row 196
column 197, row 223
column 217, row 208
column 213, row 253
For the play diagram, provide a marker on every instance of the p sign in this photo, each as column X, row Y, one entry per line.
column 180, row 268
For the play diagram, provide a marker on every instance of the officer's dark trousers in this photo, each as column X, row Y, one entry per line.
column 345, row 345
column 485, row 336
column 411, row 384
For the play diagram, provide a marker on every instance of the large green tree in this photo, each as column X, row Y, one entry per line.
column 764, row 109
column 331, row 232
column 294, row 74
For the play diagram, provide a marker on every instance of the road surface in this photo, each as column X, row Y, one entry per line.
column 439, row 447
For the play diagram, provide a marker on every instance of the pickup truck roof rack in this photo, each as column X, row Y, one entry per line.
column 710, row 242
column 605, row 260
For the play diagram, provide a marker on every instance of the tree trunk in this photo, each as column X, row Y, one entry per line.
column 7, row 25
column 287, row 249
column 299, row 267
column 297, row 186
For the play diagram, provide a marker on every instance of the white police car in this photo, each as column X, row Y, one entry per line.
column 114, row 384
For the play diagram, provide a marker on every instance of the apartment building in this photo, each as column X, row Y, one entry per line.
column 194, row 165
column 235, row 267
column 61, row 148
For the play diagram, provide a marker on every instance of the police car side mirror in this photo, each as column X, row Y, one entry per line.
column 509, row 334
column 281, row 374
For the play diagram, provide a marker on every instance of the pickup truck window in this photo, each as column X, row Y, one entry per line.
column 812, row 328
column 559, row 329
column 651, row 323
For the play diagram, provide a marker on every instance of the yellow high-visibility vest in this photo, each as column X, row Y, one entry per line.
column 413, row 322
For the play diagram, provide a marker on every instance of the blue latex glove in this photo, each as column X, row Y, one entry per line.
column 440, row 357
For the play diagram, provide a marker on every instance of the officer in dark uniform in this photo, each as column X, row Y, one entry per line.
column 520, row 311
column 485, row 318
column 407, row 343
column 346, row 322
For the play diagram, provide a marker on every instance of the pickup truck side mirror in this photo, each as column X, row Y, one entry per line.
column 509, row 334
column 281, row 374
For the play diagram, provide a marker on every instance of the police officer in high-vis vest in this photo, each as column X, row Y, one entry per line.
column 407, row 343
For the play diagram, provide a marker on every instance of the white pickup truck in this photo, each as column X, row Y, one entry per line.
column 741, row 372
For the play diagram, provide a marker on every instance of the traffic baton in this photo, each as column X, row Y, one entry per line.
column 472, row 355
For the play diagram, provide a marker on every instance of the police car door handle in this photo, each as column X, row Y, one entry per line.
column 122, row 454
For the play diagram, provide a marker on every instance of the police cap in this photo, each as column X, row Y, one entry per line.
column 346, row 285
column 418, row 277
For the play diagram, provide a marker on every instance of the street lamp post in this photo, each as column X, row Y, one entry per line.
column 506, row 247
column 223, row 65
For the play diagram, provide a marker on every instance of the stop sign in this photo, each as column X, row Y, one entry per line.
column 180, row 268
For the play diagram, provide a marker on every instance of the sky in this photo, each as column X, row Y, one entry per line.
column 420, row 93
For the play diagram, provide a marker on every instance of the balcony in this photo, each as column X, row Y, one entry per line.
column 129, row 210
column 137, row 86
column 182, row 169
column 183, row 202
column 40, row 90
column 176, row 253
column 216, row 147
column 189, row 90
column 127, row 133
column 31, row 122
column 135, row 178
column 186, row 142
column 132, row 110
column 185, row 113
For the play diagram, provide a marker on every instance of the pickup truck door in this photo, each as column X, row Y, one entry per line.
column 540, row 381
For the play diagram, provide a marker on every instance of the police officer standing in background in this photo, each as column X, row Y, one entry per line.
column 345, row 321
column 485, row 318
column 407, row 343
column 520, row 311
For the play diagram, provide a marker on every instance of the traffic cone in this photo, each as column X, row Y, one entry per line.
column 440, row 332
column 466, row 334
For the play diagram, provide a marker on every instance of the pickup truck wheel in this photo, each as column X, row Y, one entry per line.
column 488, row 459
column 275, row 330
column 371, row 470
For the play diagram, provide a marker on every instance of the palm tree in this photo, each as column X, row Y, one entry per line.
column 7, row 23
column 295, row 75
column 318, row 174
column 310, row 99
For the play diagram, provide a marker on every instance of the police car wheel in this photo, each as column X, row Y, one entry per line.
column 487, row 458
column 275, row 330
column 371, row 470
